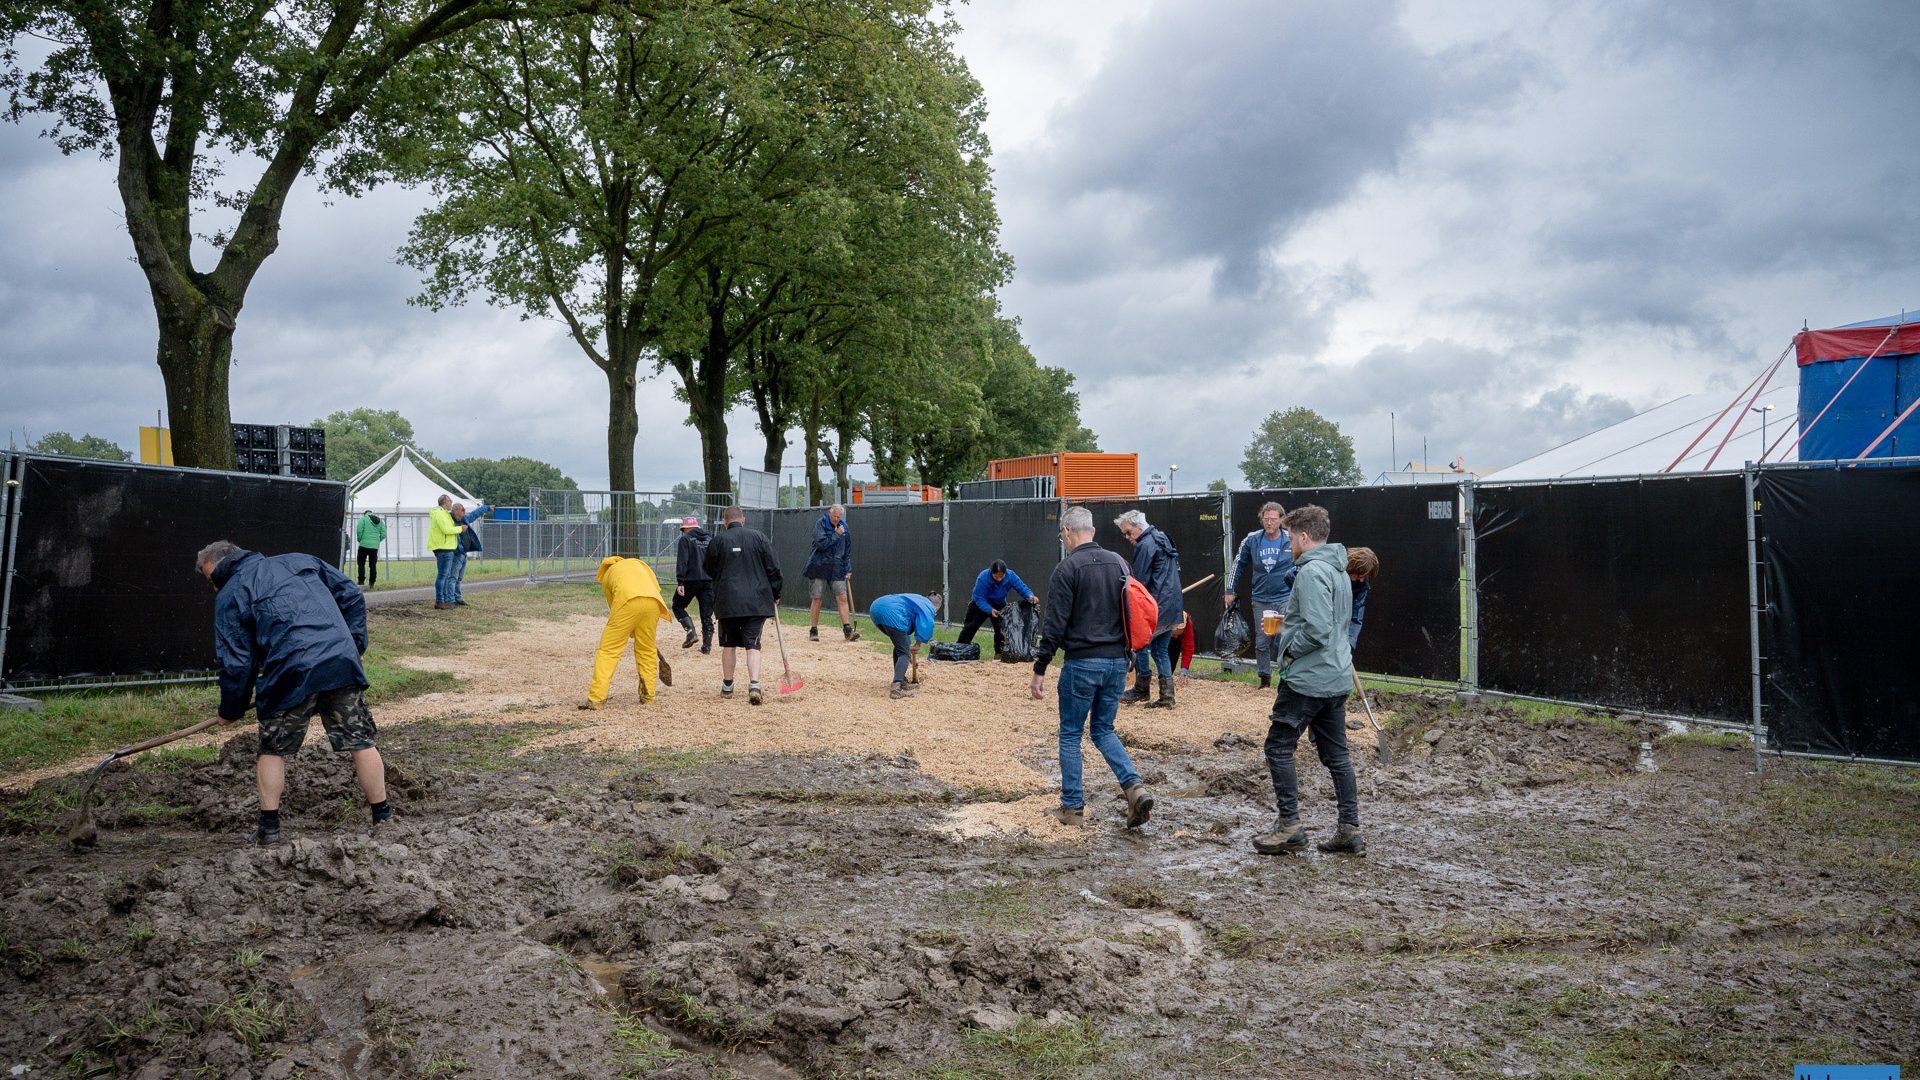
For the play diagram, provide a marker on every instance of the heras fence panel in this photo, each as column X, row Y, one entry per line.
column 1626, row 593
column 104, row 584
column 896, row 549
column 1196, row 525
column 791, row 531
column 1025, row 533
column 1842, row 591
column 1412, row 624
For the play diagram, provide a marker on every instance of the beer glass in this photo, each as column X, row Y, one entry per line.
column 1269, row 622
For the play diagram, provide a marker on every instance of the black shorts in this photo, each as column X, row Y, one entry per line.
column 343, row 714
column 742, row 633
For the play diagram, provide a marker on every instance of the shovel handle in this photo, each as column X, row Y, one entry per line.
column 1199, row 583
column 163, row 740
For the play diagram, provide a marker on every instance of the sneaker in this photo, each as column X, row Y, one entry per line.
column 1075, row 816
column 666, row 673
column 813, row 634
column 1139, row 804
column 1285, row 838
column 265, row 837
column 726, row 689
column 849, row 632
column 692, row 637
column 753, row 695
column 1346, row 840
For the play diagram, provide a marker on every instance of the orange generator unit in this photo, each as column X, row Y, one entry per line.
column 1076, row 476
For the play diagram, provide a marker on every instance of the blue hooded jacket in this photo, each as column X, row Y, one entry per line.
column 832, row 555
column 989, row 594
column 285, row 627
column 909, row 612
column 1157, row 565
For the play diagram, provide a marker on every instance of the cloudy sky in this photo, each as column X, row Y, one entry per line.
column 1505, row 224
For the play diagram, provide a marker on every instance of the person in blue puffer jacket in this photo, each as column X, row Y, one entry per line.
column 830, row 565
column 990, row 592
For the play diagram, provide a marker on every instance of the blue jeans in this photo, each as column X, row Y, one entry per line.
column 443, row 576
column 459, row 572
column 1162, row 655
column 1091, row 687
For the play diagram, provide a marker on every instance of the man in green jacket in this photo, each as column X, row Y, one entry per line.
column 369, row 533
column 1315, row 677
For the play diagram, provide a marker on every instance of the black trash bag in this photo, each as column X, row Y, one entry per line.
column 1232, row 639
column 1019, row 634
column 953, row 653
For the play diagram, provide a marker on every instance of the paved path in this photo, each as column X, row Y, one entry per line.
column 424, row 593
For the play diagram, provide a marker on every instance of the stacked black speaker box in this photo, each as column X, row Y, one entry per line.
column 280, row 450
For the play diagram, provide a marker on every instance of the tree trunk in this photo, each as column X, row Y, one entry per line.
column 196, row 361
column 623, row 427
column 815, row 490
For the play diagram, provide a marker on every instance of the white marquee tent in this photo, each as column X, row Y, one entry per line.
column 1652, row 441
column 398, row 491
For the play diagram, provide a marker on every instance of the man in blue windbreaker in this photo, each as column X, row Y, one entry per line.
column 830, row 565
column 1267, row 556
column 288, row 632
column 907, row 620
column 1157, row 564
column 990, row 592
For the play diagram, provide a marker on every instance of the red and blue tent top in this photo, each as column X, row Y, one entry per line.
column 1895, row 335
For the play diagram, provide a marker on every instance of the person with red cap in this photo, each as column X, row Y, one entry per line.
column 692, row 583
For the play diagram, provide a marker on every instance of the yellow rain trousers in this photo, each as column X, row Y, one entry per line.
column 634, row 610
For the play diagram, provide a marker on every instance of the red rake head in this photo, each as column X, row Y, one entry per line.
column 791, row 683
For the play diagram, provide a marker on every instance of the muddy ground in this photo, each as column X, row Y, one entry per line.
column 1531, row 905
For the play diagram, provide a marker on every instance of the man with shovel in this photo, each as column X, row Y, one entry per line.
column 907, row 620
column 288, row 632
column 635, row 609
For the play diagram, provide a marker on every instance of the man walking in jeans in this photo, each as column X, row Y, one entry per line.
column 1084, row 619
column 1316, row 675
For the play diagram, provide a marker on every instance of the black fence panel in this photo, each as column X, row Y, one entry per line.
column 1412, row 626
column 896, row 549
column 1622, row 593
column 790, row 532
column 1196, row 525
column 104, row 583
column 1842, row 586
column 1026, row 534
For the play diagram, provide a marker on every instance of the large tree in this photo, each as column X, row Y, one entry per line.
column 177, row 91
column 1299, row 448
column 86, row 446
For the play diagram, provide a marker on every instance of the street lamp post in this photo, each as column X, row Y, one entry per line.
column 1763, row 410
column 1171, row 469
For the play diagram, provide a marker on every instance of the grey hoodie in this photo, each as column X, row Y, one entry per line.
column 1316, row 659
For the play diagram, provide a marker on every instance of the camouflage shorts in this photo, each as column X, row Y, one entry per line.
column 343, row 713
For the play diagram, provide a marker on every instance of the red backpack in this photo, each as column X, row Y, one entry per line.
column 1142, row 613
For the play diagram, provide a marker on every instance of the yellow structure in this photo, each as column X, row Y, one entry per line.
column 635, row 609
column 156, row 446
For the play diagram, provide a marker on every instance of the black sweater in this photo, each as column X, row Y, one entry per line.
column 746, row 578
column 1083, row 616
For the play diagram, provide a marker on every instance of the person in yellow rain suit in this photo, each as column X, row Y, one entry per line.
column 634, row 610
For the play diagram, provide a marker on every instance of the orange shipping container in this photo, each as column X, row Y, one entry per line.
column 1076, row 476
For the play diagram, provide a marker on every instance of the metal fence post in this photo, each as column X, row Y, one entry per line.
column 1228, row 554
column 1753, row 613
column 946, row 563
column 15, row 477
column 1469, row 593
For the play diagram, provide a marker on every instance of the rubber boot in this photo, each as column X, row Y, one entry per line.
column 1346, row 840
column 1165, row 701
column 1142, row 690
column 1266, row 682
column 686, row 623
column 1285, row 838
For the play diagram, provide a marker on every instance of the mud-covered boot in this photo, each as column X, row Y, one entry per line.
column 900, row 690
column 266, row 835
column 1165, row 700
column 1139, row 804
column 1142, row 690
column 1075, row 816
column 1346, row 840
column 1287, row 837
column 847, row 631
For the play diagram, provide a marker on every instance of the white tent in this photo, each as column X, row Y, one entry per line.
column 1650, row 441
column 397, row 490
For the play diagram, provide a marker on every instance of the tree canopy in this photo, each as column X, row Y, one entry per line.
column 86, row 446
column 506, row 481
column 1299, row 448
column 357, row 437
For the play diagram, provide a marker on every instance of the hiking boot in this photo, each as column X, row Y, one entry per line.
column 900, row 690
column 1075, row 816
column 441, row 605
column 753, row 695
column 1139, row 804
column 850, row 633
column 1346, row 840
column 1285, row 838
column 1142, row 690
column 1266, row 682
column 266, row 837
column 813, row 633
column 1165, row 701
column 666, row 673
